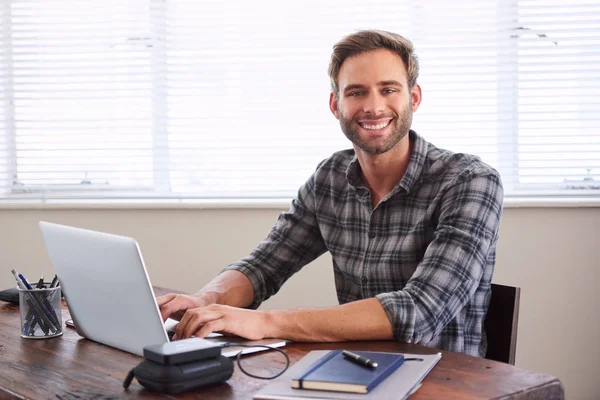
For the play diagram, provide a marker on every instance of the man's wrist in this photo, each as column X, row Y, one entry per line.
column 270, row 322
column 208, row 297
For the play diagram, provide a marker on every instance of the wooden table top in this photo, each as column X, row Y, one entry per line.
column 70, row 367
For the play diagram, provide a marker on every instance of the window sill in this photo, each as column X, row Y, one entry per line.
column 283, row 204
column 145, row 204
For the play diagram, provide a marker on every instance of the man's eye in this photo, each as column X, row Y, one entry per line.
column 355, row 94
column 388, row 91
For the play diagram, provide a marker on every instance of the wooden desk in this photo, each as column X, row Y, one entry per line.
column 69, row 367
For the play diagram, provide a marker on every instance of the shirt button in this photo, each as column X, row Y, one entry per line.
column 371, row 234
column 364, row 279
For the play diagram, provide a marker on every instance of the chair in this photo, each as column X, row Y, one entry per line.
column 501, row 323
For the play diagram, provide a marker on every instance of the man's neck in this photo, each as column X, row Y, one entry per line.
column 382, row 172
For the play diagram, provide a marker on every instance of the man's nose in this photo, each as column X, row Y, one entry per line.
column 374, row 104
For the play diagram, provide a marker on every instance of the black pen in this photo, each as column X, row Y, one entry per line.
column 54, row 281
column 40, row 284
column 365, row 362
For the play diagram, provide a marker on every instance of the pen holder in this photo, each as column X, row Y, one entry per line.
column 41, row 315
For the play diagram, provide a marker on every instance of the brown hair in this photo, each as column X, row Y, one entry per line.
column 368, row 40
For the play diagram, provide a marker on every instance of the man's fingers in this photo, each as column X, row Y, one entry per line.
column 167, row 309
column 213, row 326
column 193, row 320
column 199, row 320
column 165, row 299
column 202, row 321
column 174, row 304
column 177, row 315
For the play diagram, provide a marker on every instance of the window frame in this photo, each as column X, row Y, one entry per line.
column 507, row 166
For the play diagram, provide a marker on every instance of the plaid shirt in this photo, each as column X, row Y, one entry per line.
column 426, row 251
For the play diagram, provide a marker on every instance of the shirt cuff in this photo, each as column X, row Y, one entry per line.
column 400, row 310
column 256, row 279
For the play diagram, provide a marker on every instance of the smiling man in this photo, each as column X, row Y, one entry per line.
column 411, row 228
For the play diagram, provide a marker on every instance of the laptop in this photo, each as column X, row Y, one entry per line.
column 108, row 291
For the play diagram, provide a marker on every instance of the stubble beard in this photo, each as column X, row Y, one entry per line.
column 400, row 128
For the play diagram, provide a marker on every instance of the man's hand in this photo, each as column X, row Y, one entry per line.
column 199, row 322
column 175, row 305
column 330, row 324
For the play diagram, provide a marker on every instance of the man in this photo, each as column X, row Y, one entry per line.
column 411, row 228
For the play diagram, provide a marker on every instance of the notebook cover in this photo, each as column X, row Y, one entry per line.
column 337, row 373
column 399, row 385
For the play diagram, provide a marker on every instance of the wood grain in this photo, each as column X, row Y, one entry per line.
column 70, row 367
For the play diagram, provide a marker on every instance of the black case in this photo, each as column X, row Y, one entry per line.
column 177, row 378
column 182, row 351
column 11, row 295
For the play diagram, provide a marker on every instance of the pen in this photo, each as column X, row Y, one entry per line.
column 47, row 315
column 54, row 281
column 19, row 283
column 27, row 284
column 40, row 284
column 365, row 362
column 28, row 319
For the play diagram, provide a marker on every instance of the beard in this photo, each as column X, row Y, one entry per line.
column 400, row 125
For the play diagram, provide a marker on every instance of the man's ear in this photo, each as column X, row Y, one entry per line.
column 416, row 96
column 333, row 104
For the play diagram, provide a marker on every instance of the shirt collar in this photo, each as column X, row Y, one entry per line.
column 413, row 171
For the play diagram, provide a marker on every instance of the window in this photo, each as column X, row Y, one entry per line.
column 153, row 99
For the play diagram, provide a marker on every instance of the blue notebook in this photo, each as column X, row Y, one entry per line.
column 336, row 373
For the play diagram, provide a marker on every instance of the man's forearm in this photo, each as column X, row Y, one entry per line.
column 230, row 288
column 359, row 320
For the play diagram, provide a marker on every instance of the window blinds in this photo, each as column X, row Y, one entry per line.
column 208, row 99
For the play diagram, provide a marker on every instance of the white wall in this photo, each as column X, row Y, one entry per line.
column 553, row 254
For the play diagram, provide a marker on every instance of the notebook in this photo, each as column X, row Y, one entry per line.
column 399, row 385
column 337, row 373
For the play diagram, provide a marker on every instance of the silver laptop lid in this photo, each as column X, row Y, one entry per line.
column 106, row 286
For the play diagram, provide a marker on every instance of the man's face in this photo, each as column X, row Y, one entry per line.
column 374, row 104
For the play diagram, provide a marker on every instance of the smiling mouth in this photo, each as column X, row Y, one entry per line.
column 375, row 125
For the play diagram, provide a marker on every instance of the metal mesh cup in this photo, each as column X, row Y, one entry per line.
column 41, row 316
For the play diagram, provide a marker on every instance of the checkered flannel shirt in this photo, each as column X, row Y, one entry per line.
column 426, row 251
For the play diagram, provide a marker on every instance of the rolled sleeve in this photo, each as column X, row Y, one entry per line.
column 400, row 310
column 257, row 279
column 451, row 269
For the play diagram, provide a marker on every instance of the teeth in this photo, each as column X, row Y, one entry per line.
column 375, row 127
